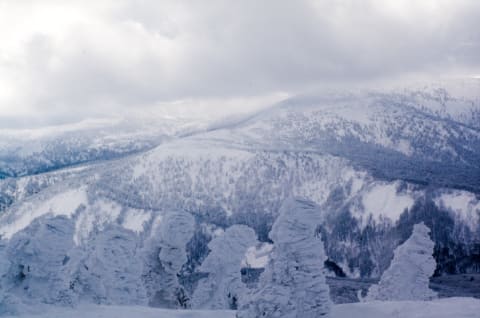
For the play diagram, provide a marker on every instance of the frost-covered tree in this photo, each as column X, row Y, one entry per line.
column 407, row 278
column 165, row 256
column 111, row 271
column 293, row 284
column 223, row 287
column 40, row 261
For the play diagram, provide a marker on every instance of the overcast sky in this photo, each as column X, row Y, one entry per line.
column 66, row 60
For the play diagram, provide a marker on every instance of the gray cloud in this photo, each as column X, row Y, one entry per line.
column 82, row 59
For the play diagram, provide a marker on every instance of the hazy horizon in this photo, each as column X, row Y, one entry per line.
column 65, row 62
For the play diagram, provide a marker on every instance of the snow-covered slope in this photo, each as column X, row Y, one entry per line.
column 454, row 99
column 29, row 151
column 377, row 131
column 18, row 189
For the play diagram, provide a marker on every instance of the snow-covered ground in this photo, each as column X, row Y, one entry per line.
column 92, row 311
column 442, row 308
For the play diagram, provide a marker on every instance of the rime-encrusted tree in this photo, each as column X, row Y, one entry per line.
column 223, row 288
column 111, row 272
column 41, row 259
column 407, row 278
column 293, row 284
column 168, row 244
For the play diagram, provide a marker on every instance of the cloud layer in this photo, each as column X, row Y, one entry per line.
column 63, row 60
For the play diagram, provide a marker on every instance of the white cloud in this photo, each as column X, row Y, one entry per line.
column 64, row 60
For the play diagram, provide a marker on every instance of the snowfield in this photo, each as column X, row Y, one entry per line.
column 442, row 308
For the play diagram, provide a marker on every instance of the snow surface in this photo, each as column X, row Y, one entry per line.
column 99, row 213
column 441, row 308
column 383, row 200
column 258, row 256
column 135, row 219
column 463, row 204
column 64, row 203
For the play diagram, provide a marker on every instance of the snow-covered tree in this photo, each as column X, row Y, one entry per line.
column 293, row 284
column 407, row 278
column 165, row 256
column 223, row 287
column 111, row 271
column 41, row 259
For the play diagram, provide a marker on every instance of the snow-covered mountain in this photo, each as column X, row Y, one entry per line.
column 382, row 133
column 374, row 162
column 31, row 151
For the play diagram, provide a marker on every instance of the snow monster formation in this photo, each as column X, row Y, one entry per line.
column 111, row 270
column 223, row 288
column 293, row 284
column 36, row 265
column 162, row 266
column 407, row 278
